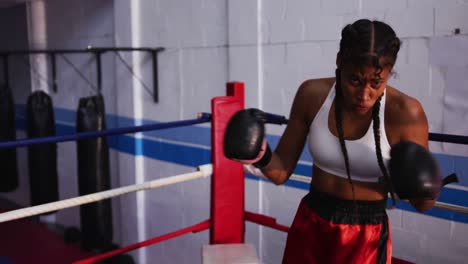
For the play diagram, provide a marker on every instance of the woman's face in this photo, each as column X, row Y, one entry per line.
column 362, row 86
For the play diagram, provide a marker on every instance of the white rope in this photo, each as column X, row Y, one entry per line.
column 252, row 170
column 300, row 178
column 452, row 207
column 202, row 171
column 441, row 205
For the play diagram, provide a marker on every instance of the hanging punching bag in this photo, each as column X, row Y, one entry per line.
column 8, row 169
column 93, row 174
column 42, row 158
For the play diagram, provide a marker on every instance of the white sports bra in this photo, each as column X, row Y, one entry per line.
column 326, row 151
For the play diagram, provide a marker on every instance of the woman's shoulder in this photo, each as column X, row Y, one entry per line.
column 402, row 107
column 311, row 95
column 315, row 91
column 316, row 87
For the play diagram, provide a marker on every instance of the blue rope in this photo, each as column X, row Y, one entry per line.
column 276, row 119
column 204, row 118
column 101, row 133
column 457, row 139
column 446, row 138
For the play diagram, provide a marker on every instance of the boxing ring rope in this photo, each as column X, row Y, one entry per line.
column 438, row 137
column 451, row 207
column 203, row 171
column 191, row 229
column 202, row 118
column 441, row 205
column 447, row 138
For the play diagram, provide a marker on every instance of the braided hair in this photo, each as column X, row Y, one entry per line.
column 372, row 43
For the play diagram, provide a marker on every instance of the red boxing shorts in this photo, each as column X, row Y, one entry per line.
column 330, row 230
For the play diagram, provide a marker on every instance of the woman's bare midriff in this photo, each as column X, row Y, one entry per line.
column 340, row 187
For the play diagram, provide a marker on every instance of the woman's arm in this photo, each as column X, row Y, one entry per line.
column 292, row 141
column 414, row 127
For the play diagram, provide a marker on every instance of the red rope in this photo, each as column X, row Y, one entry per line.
column 264, row 220
column 195, row 228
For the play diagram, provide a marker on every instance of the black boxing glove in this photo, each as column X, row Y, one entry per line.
column 244, row 138
column 414, row 172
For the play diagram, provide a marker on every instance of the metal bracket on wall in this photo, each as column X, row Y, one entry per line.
column 5, row 55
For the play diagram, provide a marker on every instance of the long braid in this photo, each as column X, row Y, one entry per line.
column 339, row 126
column 378, row 150
column 372, row 43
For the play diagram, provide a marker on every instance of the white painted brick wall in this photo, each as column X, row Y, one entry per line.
column 303, row 56
column 128, row 204
column 395, row 217
column 244, row 67
column 405, row 244
column 433, row 107
column 437, row 81
column 243, row 22
column 274, row 58
column 405, row 24
column 418, row 51
column 66, row 152
column 169, row 75
column 202, row 79
column 183, row 23
column 283, row 28
column 459, row 233
column 173, row 207
column 411, row 79
column 285, row 20
column 253, row 193
column 455, row 107
column 429, row 226
column 445, row 51
column 281, row 202
column 439, row 251
column 424, row 239
column 339, row 7
column 273, row 250
column 450, row 17
column 434, row 110
column 315, row 30
column 382, row 5
column 432, row 3
column 210, row 42
column 364, row 14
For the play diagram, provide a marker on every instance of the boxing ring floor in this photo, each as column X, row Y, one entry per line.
column 29, row 241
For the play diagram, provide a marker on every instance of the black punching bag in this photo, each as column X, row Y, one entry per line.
column 93, row 174
column 42, row 158
column 8, row 169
